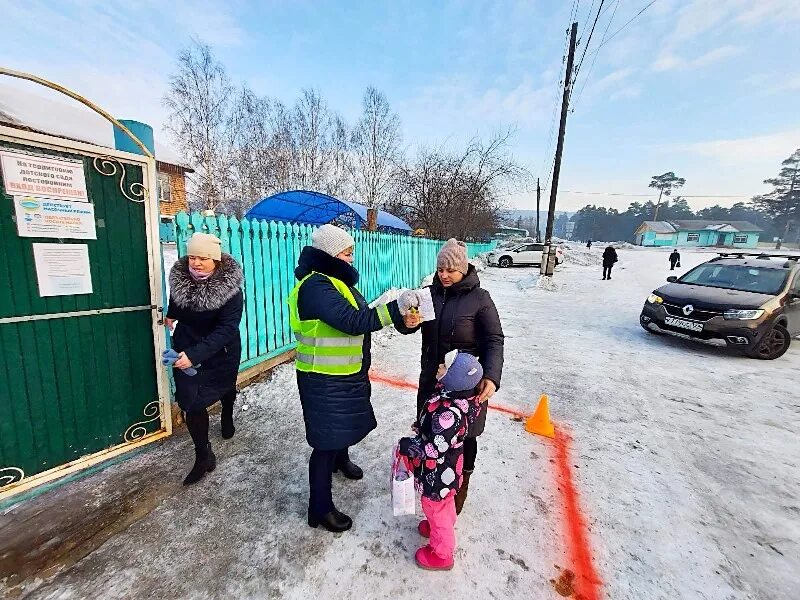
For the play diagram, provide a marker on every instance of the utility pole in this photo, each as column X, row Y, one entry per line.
column 548, row 256
column 538, row 200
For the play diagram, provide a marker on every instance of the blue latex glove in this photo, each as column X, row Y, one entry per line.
column 168, row 358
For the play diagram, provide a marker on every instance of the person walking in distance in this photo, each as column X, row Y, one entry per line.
column 674, row 260
column 609, row 260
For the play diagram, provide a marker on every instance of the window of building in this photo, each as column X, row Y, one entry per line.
column 740, row 238
column 693, row 237
column 164, row 188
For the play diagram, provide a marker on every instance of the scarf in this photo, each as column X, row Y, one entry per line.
column 198, row 276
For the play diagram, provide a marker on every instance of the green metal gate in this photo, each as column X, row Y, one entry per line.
column 79, row 379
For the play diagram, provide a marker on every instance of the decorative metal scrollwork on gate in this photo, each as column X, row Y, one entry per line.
column 105, row 165
column 9, row 475
column 138, row 430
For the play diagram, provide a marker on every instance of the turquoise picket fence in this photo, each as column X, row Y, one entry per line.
column 268, row 252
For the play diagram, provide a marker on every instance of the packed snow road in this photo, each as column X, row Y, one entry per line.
column 685, row 456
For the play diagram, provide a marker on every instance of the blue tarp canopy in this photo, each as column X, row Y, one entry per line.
column 315, row 208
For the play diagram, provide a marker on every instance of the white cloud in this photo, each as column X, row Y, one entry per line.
column 770, row 148
column 631, row 91
column 213, row 22
column 788, row 85
column 668, row 62
column 464, row 102
column 716, row 55
column 612, row 78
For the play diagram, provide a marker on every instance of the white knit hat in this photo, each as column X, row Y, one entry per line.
column 331, row 239
column 204, row 245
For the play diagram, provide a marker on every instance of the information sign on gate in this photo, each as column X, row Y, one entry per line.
column 34, row 175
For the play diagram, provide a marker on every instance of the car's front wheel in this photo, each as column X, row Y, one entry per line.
column 773, row 345
column 504, row 262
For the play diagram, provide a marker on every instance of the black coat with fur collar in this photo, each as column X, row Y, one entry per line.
column 208, row 314
column 336, row 408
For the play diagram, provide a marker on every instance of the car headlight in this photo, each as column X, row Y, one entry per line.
column 655, row 299
column 743, row 315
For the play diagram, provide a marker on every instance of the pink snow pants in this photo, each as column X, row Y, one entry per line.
column 442, row 518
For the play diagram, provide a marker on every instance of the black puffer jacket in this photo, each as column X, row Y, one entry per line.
column 336, row 408
column 208, row 314
column 609, row 257
column 466, row 319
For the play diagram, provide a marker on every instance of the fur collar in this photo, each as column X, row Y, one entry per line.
column 313, row 260
column 211, row 294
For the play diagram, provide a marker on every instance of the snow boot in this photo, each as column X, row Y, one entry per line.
column 204, row 462
column 335, row 521
column 428, row 559
column 424, row 528
column 227, row 416
column 349, row 469
column 461, row 495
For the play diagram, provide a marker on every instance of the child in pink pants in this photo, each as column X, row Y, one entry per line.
column 436, row 454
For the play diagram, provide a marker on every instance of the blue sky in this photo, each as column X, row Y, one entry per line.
column 706, row 88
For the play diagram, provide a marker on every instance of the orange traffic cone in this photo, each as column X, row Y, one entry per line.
column 539, row 422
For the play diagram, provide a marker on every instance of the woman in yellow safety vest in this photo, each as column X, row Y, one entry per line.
column 332, row 323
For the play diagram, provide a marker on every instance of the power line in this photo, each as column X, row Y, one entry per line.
column 594, row 58
column 653, row 194
column 611, row 37
column 588, row 16
column 589, row 41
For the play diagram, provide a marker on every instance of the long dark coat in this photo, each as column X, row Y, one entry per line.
column 466, row 319
column 609, row 257
column 208, row 314
column 336, row 408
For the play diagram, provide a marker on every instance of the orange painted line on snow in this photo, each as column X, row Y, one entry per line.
column 587, row 581
column 407, row 385
column 398, row 383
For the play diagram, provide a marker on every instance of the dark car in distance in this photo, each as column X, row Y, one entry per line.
column 751, row 301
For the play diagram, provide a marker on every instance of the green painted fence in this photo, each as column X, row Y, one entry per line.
column 268, row 253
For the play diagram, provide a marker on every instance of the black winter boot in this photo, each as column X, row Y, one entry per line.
column 347, row 467
column 334, row 521
column 350, row 470
column 461, row 494
column 227, row 415
column 204, row 462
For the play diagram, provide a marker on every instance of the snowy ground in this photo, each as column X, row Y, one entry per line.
column 686, row 458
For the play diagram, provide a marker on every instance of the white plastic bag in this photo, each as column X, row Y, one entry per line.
column 404, row 496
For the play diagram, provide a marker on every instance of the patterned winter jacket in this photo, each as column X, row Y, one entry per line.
column 436, row 453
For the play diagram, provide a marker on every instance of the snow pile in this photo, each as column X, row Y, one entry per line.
column 619, row 245
column 480, row 262
column 584, row 257
column 537, row 282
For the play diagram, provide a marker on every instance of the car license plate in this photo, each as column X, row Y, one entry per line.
column 683, row 324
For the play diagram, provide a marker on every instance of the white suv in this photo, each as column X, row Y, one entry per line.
column 522, row 254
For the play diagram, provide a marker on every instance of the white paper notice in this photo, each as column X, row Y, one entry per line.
column 35, row 175
column 62, row 269
column 62, row 219
column 426, row 310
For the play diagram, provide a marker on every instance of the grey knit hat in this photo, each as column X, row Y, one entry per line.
column 331, row 239
column 453, row 255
